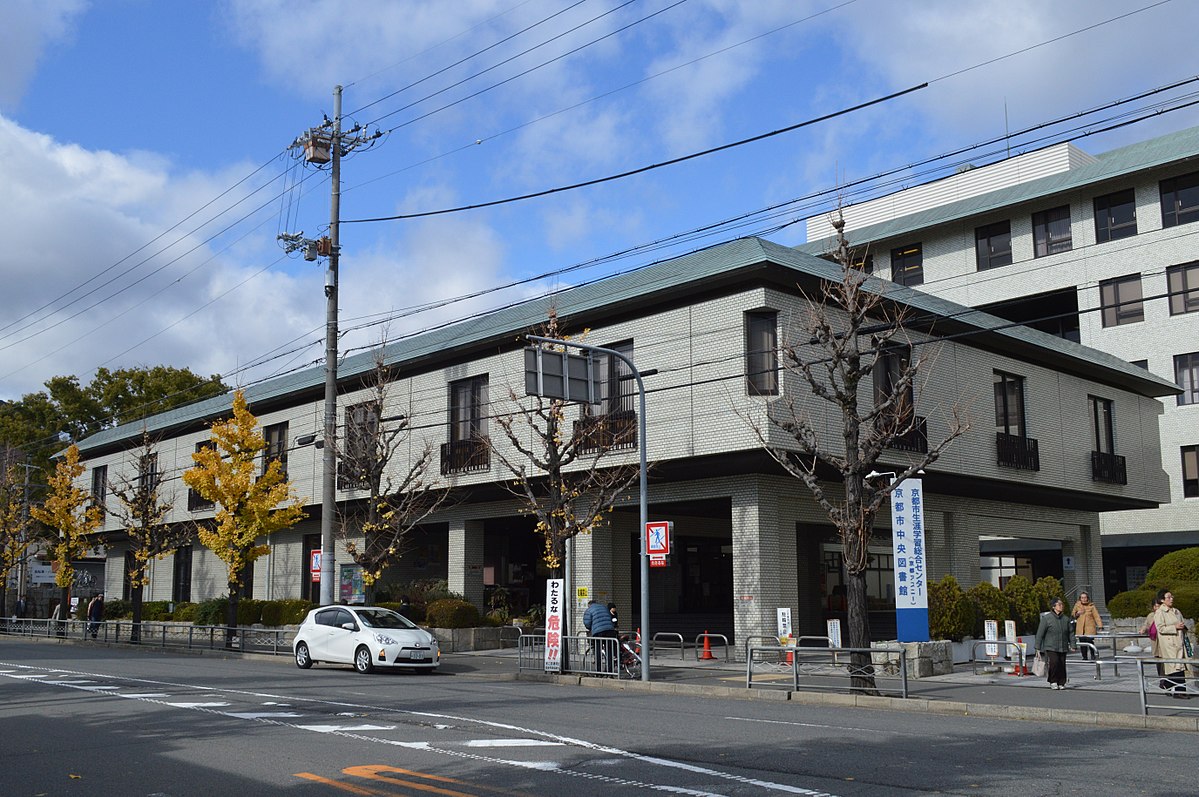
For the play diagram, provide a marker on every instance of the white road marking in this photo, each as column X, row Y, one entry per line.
column 197, row 705
column 810, row 725
column 341, row 728
column 257, row 715
column 510, row 743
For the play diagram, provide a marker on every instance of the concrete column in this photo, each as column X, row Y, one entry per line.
column 1092, row 548
column 764, row 557
column 465, row 566
column 591, row 566
column 960, row 550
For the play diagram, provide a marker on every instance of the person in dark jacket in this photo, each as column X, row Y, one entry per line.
column 598, row 622
column 95, row 614
column 1055, row 638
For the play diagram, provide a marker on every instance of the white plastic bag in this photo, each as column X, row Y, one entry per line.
column 1038, row 666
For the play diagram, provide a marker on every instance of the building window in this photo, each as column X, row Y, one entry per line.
column 467, row 449
column 147, row 473
column 1115, row 216
column 1103, row 428
column 1190, row 471
column 276, row 447
column 181, row 587
column 614, row 389
column 1186, row 374
column 761, row 353
column 900, row 416
column 993, row 245
column 195, row 501
column 1180, row 199
column 1182, row 283
column 907, row 265
column 1014, row 448
column 359, row 456
column 1120, row 300
column 1051, row 231
column 99, row 485
column 1140, row 364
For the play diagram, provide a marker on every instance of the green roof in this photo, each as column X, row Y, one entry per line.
column 639, row 289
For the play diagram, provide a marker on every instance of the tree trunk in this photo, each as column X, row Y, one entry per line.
column 64, row 610
column 135, row 596
column 858, row 622
column 231, row 615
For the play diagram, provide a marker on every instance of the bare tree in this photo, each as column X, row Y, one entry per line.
column 401, row 493
column 852, row 334
column 558, row 469
column 142, row 510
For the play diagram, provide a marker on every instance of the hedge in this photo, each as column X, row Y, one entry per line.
column 451, row 613
column 1138, row 602
column 1175, row 567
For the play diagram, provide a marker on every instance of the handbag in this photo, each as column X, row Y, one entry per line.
column 1186, row 645
column 1153, row 631
column 1038, row 666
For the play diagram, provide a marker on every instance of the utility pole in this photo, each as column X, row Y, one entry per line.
column 326, row 145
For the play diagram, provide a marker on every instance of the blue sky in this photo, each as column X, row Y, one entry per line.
column 119, row 119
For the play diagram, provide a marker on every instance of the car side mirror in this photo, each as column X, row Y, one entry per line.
column 349, row 626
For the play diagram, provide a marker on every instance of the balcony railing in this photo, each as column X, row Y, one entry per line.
column 1013, row 451
column 915, row 440
column 1108, row 468
column 465, row 456
column 604, row 432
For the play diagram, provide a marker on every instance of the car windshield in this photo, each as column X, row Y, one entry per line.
column 383, row 618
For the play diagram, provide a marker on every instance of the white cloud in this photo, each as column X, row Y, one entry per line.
column 29, row 27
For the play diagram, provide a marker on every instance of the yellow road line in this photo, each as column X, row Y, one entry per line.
column 337, row 785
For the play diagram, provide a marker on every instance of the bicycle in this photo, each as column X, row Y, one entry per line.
column 630, row 656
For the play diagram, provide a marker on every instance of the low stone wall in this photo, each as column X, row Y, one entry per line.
column 457, row 640
column 925, row 659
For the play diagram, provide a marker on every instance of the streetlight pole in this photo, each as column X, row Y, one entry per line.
column 329, row 461
column 644, row 503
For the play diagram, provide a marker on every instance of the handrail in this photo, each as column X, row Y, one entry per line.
column 1016, row 645
column 1099, row 662
column 1183, row 663
column 682, row 645
column 839, row 667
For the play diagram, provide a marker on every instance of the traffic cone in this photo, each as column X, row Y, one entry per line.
column 707, row 654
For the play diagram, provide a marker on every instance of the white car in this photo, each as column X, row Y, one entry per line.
column 367, row 637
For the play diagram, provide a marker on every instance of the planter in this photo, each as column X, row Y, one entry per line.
column 925, row 659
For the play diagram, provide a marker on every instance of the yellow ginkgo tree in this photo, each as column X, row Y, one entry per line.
column 16, row 537
column 249, row 506
column 70, row 512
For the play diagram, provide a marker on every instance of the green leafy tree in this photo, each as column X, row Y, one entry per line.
column 16, row 532
column 1026, row 606
column 69, row 511
column 142, row 508
column 849, row 331
column 39, row 422
column 248, row 507
column 950, row 613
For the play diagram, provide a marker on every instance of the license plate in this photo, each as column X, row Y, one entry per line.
column 416, row 655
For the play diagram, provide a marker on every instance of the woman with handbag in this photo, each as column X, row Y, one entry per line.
column 1055, row 638
column 1087, row 623
column 1173, row 642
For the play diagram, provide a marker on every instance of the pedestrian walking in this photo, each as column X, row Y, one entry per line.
column 598, row 622
column 95, row 613
column 1149, row 629
column 1055, row 639
column 1087, row 623
column 1173, row 643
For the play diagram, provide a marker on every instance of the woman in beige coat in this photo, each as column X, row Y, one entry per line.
column 1170, row 632
column 1154, row 646
column 1087, row 623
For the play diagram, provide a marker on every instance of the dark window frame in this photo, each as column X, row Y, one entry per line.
column 1117, row 305
column 1182, row 286
column 276, row 437
column 1190, row 471
column 1010, row 404
column 1115, row 216
column 147, row 472
column 1103, row 424
column 993, row 245
column 615, row 391
column 181, row 578
column 1049, row 236
column 195, row 501
column 1179, row 199
column 1186, row 376
column 761, row 353
column 100, row 485
column 907, row 265
column 467, row 409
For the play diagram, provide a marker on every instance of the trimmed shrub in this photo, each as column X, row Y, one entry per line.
column 249, row 611
column 117, row 609
column 950, row 615
column 212, row 611
column 293, row 610
column 1025, row 604
column 185, row 612
column 155, row 611
column 1135, row 603
column 1049, row 589
column 990, row 604
column 1174, row 568
column 272, row 614
column 452, row 613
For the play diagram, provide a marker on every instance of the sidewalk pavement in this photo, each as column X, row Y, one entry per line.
column 1112, row 701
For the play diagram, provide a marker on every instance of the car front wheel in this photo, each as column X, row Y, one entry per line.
column 303, row 659
column 362, row 660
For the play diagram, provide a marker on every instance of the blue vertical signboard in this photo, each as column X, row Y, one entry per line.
column 907, row 542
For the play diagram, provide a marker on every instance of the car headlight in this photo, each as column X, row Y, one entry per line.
column 383, row 639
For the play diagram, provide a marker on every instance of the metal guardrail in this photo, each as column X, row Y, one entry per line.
column 1114, row 662
column 698, row 648
column 997, row 642
column 653, row 643
column 507, row 640
column 1165, row 685
column 269, row 641
column 816, row 663
column 580, row 655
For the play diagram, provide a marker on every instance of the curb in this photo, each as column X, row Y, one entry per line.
column 913, row 705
